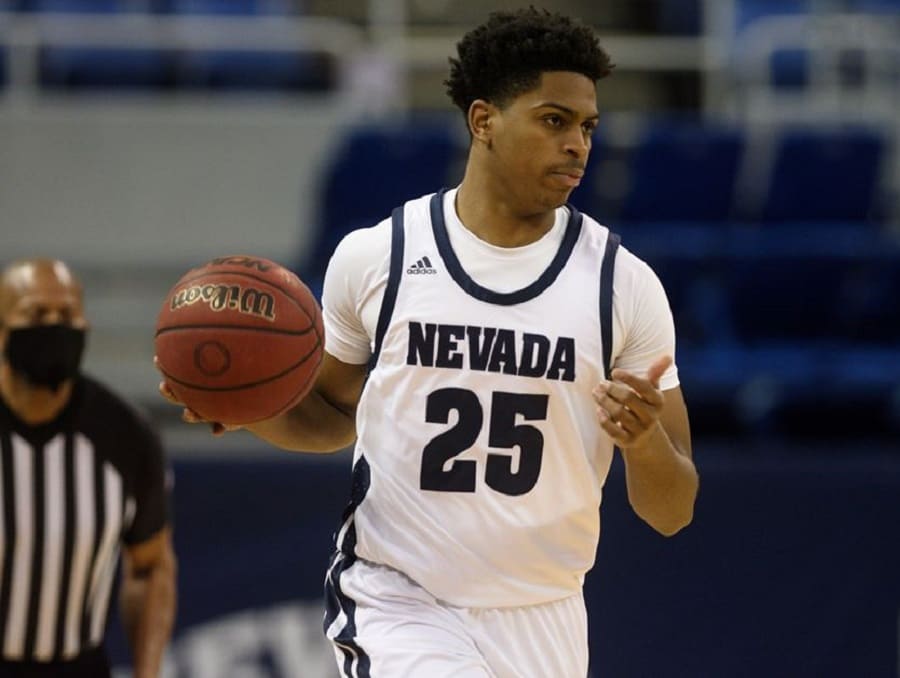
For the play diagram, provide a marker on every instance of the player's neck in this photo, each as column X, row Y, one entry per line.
column 32, row 405
column 483, row 209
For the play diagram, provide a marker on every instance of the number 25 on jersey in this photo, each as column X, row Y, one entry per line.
column 503, row 433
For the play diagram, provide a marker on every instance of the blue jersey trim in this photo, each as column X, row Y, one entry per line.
column 395, row 272
column 472, row 288
column 606, row 299
column 336, row 601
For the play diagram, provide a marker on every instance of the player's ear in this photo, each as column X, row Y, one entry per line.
column 481, row 115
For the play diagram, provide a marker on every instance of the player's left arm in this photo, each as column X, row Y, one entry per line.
column 148, row 600
column 650, row 427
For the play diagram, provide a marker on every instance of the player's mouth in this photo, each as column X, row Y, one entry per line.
column 568, row 177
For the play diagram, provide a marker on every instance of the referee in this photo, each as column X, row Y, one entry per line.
column 81, row 480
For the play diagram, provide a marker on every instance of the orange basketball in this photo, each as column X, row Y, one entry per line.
column 239, row 339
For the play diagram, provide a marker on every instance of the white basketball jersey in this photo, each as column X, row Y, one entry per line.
column 480, row 462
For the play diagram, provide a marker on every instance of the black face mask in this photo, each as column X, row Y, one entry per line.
column 46, row 355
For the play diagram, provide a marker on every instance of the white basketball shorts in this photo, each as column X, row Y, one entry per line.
column 384, row 625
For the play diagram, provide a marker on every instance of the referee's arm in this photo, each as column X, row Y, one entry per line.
column 148, row 600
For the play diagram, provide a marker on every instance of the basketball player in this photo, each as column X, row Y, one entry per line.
column 81, row 477
column 487, row 347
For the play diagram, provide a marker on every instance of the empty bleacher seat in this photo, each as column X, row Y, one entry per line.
column 786, row 298
column 257, row 70
column 230, row 7
column 75, row 66
column 747, row 12
column 680, row 17
column 106, row 68
column 824, row 175
column 875, row 6
column 375, row 169
column 683, row 172
column 86, row 6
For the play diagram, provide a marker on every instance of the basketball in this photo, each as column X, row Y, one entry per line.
column 239, row 339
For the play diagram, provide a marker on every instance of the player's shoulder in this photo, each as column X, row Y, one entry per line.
column 373, row 243
column 630, row 269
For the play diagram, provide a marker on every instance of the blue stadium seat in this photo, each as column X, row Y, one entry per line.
column 95, row 67
column 681, row 17
column 876, row 6
column 257, row 70
column 790, row 68
column 748, row 11
column 250, row 70
column 376, row 169
column 822, row 175
column 683, row 172
column 785, row 298
column 86, row 6
column 102, row 68
column 230, row 7
column 869, row 308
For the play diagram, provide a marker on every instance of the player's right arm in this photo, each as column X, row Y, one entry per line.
column 325, row 420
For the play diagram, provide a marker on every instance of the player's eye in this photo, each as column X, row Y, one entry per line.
column 589, row 127
column 554, row 121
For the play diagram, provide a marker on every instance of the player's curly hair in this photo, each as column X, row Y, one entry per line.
column 505, row 56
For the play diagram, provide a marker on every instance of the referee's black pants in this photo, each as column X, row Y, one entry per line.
column 90, row 664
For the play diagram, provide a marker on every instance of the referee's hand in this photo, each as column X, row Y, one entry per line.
column 188, row 415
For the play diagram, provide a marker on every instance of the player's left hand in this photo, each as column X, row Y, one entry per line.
column 629, row 406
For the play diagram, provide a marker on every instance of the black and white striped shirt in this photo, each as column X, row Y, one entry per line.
column 71, row 492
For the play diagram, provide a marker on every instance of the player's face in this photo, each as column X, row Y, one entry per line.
column 543, row 138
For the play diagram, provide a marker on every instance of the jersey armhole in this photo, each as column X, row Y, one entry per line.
column 393, row 283
column 606, row 299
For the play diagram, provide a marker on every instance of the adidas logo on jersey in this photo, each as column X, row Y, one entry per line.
column 422, row 267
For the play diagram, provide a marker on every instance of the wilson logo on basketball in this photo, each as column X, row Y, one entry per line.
column 247, row 262
column 248, row 300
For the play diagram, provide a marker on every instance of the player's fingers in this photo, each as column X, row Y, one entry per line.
column 219, row 429
column 616, row 398
column 615, row 409
column 166, row 392
column 192, row 417
column 618, row 430
column 618, row 391
column 613, row 428
column 639, row 385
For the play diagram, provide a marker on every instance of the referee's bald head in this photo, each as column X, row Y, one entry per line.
column 47, row 278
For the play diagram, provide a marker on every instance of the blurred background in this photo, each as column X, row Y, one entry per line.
column 748, row 150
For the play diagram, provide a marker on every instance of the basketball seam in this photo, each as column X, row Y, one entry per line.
column 242, row 328
column 253, row 384
column 308, row 387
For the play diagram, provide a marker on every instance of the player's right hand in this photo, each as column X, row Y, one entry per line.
column 188, row 415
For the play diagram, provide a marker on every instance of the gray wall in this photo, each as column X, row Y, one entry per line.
column 133, row 193
column 160, row 183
